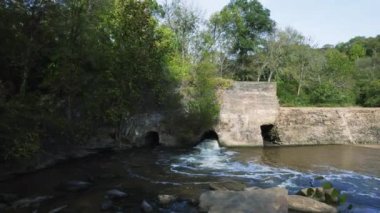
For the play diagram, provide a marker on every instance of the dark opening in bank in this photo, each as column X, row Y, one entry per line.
column 210, row 135
column 270, row 135
column 152, row 139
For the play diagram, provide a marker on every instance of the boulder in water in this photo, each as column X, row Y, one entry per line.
column 326, row 195
column 317, row 193
column 75, row 186
column 304, row 204
column 115, row 194
column 272, row 200
column 59, row 209
column 166, row 199
column 146, row 207
column 27, row 202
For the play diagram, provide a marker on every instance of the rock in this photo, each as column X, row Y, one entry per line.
column 166, row 199
column 228, row 186
column 272, row 200
column 251, row 188
column 59, row 209
column 8, row 198
column 314, row 193
column 115, row 194
column 75, row 186
column 26, row 202
column 332, row 196
column 107, row 205
column 305, row 204
column 146, row 207
column 194, row 202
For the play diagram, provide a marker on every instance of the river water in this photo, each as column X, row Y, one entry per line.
column 144, row 174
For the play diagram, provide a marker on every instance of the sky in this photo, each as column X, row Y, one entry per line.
column 324, row 21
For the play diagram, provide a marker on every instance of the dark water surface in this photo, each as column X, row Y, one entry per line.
column 144, row 174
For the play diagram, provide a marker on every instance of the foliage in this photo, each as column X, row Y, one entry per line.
column 239, row 28
column 369, row 94
column 329, row 95
column 70, row 67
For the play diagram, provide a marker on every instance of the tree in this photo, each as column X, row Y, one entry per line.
column 241, row 25
column 184, row 21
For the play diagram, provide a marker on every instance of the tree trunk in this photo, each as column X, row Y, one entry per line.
column 69, row 108
column 25, row 76
column 300, row 81
column 299, row 89
column 270, row 76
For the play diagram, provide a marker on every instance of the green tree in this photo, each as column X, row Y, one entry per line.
column 184, row 21
column 241, row 25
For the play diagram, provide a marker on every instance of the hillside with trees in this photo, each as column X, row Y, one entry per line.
column 71, row 67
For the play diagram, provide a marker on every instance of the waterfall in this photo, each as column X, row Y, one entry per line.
column 208, row 145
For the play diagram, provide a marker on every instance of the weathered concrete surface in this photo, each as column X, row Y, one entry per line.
column 244, row 108
column 136, row 129
column 312, row 126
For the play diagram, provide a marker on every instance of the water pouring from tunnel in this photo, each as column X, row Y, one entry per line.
column 209, row 141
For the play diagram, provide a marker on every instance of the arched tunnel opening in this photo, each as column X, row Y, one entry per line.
column 209, row 135
column 152, row 139
column 269, row 134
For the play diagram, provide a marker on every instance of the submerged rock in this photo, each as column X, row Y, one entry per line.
column 228, row 186
column 115, row 194
column 106, row 205
column 146, row 207
column 305, row 204
column 59, row 209
column 272, row 200
column 317, row 193
column 75, row 186
column 329, row 195
column 27, row 202
column 166, row 199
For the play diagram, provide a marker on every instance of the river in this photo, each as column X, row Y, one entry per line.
column 145, row 173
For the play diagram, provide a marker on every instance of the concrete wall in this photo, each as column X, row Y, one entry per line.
column 311, row 126
column 136, row 128
column 248, row 105
column 244, row 108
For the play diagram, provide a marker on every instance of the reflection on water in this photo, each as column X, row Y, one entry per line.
column 145, row 173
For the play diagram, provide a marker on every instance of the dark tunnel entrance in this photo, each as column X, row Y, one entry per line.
column 269, row 134
column 210, row 135
column 152, row 139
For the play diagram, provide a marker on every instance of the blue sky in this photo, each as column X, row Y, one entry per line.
column 325, row 21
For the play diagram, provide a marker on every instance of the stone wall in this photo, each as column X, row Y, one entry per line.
column 136, row 130
column 244, row 108
column 311, row 126
column 248, row 106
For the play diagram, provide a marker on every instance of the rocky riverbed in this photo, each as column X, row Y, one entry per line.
column 168, row 180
